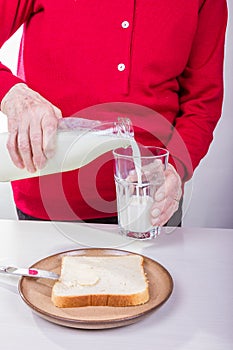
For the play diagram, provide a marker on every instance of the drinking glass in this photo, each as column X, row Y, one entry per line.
column 139, row 172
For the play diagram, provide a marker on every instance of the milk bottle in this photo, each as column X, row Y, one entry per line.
column 79, row 141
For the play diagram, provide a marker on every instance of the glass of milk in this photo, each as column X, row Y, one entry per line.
column 139, row 172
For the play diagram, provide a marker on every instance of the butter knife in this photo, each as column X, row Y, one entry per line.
column 30, row 272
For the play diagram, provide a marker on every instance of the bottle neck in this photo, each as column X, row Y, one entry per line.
column 124, row 128
column 121, row 128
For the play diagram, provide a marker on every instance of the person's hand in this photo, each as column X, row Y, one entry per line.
column 168, row 190
column 167, row 197
column 32, row 127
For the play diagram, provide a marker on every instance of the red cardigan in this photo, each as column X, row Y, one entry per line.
column 164, row 55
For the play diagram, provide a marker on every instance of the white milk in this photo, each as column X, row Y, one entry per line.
column 74, row 150
column 135, row 215
column 134, row 210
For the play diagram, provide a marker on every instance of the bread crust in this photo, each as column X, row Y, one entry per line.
column 101, row 300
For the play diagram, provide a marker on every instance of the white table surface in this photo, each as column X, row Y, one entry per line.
column 197, row 316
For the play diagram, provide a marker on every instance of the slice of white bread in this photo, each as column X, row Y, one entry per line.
column 117, row 280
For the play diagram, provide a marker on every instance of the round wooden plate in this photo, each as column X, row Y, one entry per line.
column 36, row 293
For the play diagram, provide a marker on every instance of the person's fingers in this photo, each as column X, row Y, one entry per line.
column 167, row 197
column 171, row 187
column 57, row 112
column 30, row 135
column 49, row 125
column 12, row 146
column 37, row 141
column 35, row 134
column 12, row 143
column 24, row 148
column 162, row 211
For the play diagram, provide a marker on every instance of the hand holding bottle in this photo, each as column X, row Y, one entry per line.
column 32, row 127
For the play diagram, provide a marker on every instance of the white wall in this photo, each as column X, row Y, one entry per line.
column 209, row 201
column 209, row 195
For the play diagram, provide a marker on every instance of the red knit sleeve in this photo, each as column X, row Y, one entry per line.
column 13, row 14
column 201, row 90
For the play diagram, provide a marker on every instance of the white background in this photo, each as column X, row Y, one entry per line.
column 209, row 195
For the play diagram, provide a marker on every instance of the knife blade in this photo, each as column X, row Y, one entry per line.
column 30, row 272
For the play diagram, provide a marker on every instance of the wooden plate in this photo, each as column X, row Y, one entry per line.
column 36, row 293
